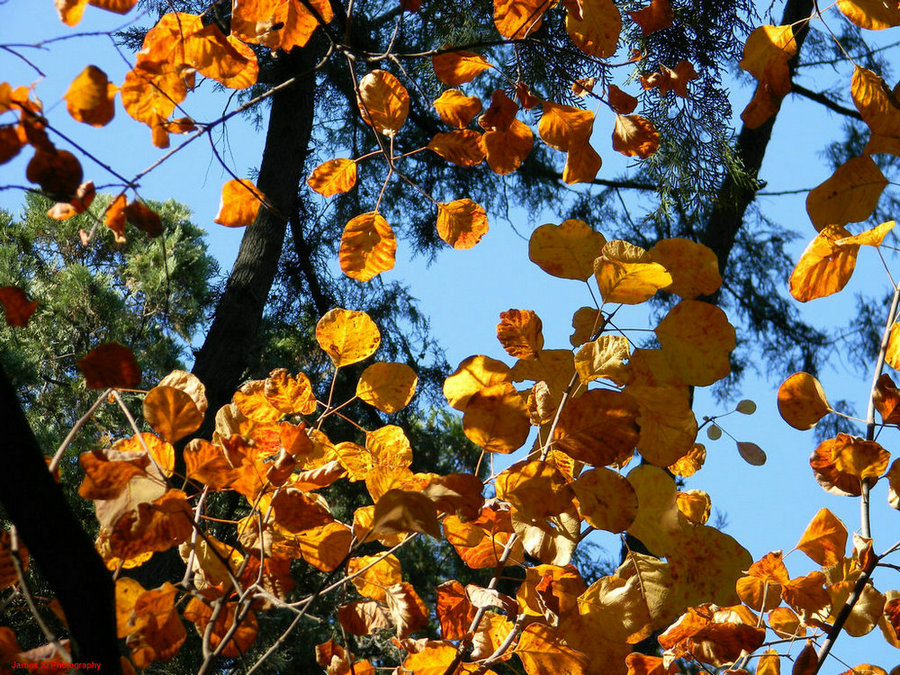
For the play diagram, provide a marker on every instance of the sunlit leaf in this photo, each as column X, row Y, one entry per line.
column 635, row 136
column 516, row 19
column 697, row 339
column 566, row 250
column 871, row 14
column 606, row 499
column 387, row 386
column 171, row 412
column 368, row 247
column 472, row 375
column 626, row 273
column 458, row 67
column 347, row 336
column 496, row 418
column 802, row 401
column 596, row 30
column 849, row 196
column 825, row 539
column 462, row 147
column 841, row 464
column 598, row 428
column 240, row 203
column 383, row 102
column 461, row 223
column 91, row 97
column 694, row 267
column 333, row 177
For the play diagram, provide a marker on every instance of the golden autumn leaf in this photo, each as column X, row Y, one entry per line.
column 152, row 526
column 496, row 418
column 473, row 374
column 867, row 611
column 240, row 203
column 802, row 401
column 461, row 223
column 519, row 332
column 325, row 547
column 871, row 14
column 582, row 164
column 694, row 505
column 17, row 308
column 551, row 591
column 656, row 16
column 892, row 355
column 621, row 102
column 658, row 518
column 886, row 396
column 603, row 357
column 595, row 29
column 480, row 542
column 714, row 635
column 506, row 149
column 598, row 428
column 240, row 640
column 363, row 618
column 220, row 58
column 635, row 136
column 841, row 464
column 387, row 386
column 91, row 97
column 404, row 511
column 586, row 322
column 144, row 218
column 368, row 247
column 876, row 103
column 627, row 274
column 375, row 574
column 333, row 177
column 171, row 412
column 825, row 539
column 543, row 653
column 408, row 613
column 536, row 490
column 515, row 19
column 457, row 109
column 347, row 336
column 110, row 365
column 562, row 126
column 106, row 472
column 766, row 54
column 461, row 147
column 190, row 384
column 691, row 463
column 383, row 102
column 566, row 250
column 849, row 196
column 606, row 499
column 694, row 267
column 457, row 67
column 83, row 198
column 697, row 339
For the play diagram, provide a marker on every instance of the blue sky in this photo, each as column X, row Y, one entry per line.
column 767, row 507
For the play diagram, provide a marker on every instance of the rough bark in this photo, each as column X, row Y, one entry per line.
column 222, row 359
column 55, row 538
column 737, row 192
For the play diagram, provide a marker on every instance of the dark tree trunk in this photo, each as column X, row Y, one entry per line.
column 223, row 358
column 54, row 536
column 735, row 195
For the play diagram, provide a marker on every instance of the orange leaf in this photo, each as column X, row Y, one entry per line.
column 240, row 203
column 694, row 267
column 536, row 490
column 825, row 539
column 462, row 147
column 404, row 511
column 347, row 336
column 562, row 126
column 327, row 546
column 887, row 399
column 225, row 60
column 16, row 306
column 154, row 526
column 239, row 641
column 90, row 98
column 871, row 14
column 620, row 102
column 582, row 164
column 461, row 223
column 801, row 401
column 876, row 103
column 626, row 273
column 208, row 464
column 519, row 331
column 606, row 499
column 697, row 339
column 110, row 365
column 506, row 150
column 689, row 464
column 598, row 428
column 496, row 419
column 10, row 144
column 516, row 19
column 171, row 412
column 657, row 16
column 766, row 55
column 841, row 464
column 635, row 136
column 453, row 609
column 115, row 218
column 566, row 250
column 473, row 374
column 825, row 266
column 481, row 542
column 668, row 426
column 849, row 196
column 387, row 386
column 456, row 109
column 334, row 177
column 289, row 395
column 596, row 31
column 383, row 102
column 368, row 247
column 807, row 661
column 892, row 355
column 457, row 67
column 144, row 218
column 543, row 653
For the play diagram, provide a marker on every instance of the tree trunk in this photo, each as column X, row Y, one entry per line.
column 735, row 196
column 55, row 538
column 222, row 359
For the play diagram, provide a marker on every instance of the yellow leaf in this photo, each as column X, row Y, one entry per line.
column 766, row 55
column 825, row 539
column 635, row 136
column 841, row 464
column 582, row 164
column 871, row 14
column 543, row 652
column 474, row 374
column 626, row 273
column 461, row 223
column 347, row 336
column 457, row 109
column 802, row 401
column 598, row 428
column 562, row 126
column 825, row 266
column 387, row 386
column 606, row 499
column 566, row 250
column 697, row 340
column 383, row 571
column 603, row 357
column 240, row 203
column 875, row 101
column 496, row 419
column 462, row 147
column 892, row 356
column 516, row 19
column 691, row 463
column 368, row 247
column 519, row 331
column 596, row 30
column 668, row 426
column 91, row 97
column 849, row 196
column 383, row 102
column 872, row 237
column 536, row 490
column 333, row 177
column 694, row 267
column 225, row 60
column 658, row 518
column 171, row 412
column 694, row 505
column 458, row 67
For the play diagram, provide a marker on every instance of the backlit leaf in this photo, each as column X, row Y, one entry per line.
column 849, row 196
column 596, row 30
column 562, row 126
column 626, row 273
column 462, row 147
column 697, row 339
column 333, row 177
column 606, row 499
column 110, row 365
column 875, row 101
column 825, row 539
column 505, row 150
column 457, row 67
column 461, row 223
column 871, row 14
column 656, row 16
column 658, row 518
column 384, row 102
column 635, row 136
column 621, row 103
column 801, row 401
column 566, row 250
column 667, row 423
column 840, row 464
column 289, row 395
column 387, row 386
column 694, row 267
column 472, row 375
column 516, row 19
column 240, row 203
column 368, row 247
column 380, row 572
column 91, row 97
column 582, row 164
column 694, row 505
column 519, row 331
column 496, row 418
column 892, row 355
column 766, row 54
column 543, row 653
column 347, row 336
column 603, row 357
column 598, row 428
column 403, row 511
column 171, row 412
column 886, row 397
column 536, row 490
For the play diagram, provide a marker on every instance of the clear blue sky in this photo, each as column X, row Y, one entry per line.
column 767, row 507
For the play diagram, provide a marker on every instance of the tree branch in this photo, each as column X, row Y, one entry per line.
column 824, row 100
